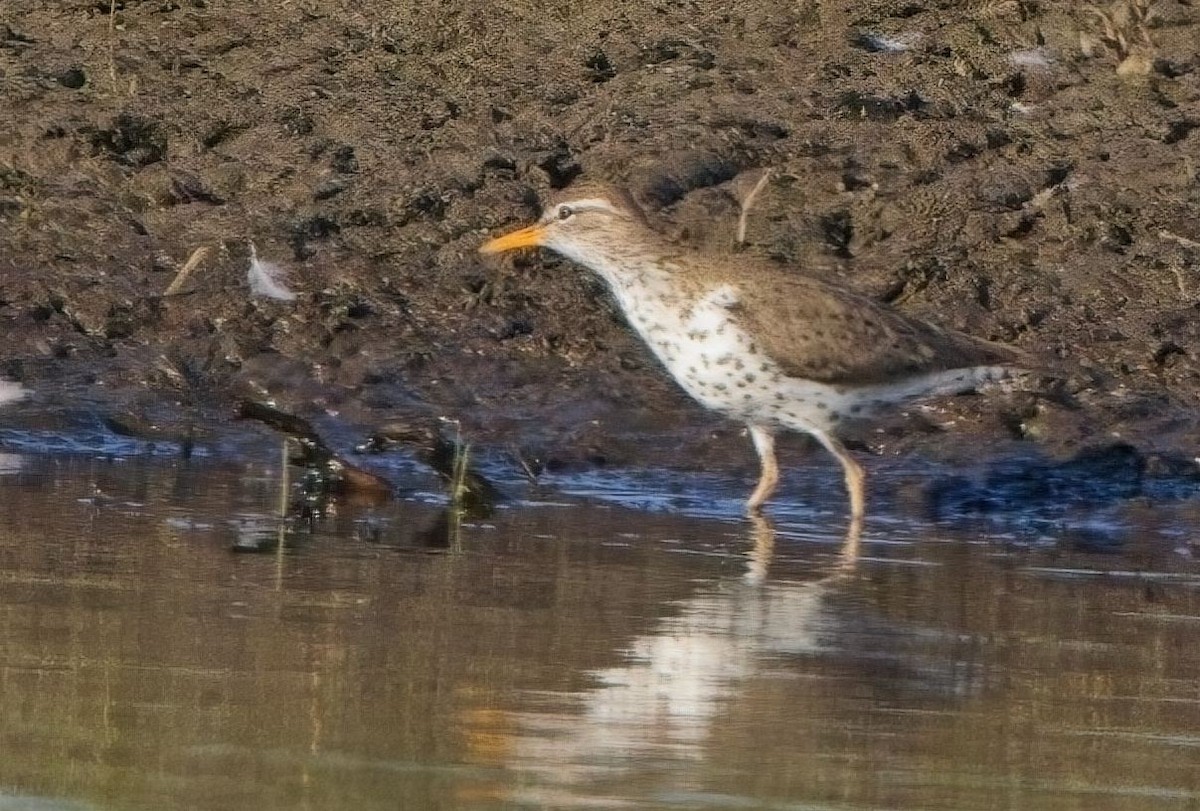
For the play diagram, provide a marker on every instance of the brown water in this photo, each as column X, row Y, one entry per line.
column 572, row 653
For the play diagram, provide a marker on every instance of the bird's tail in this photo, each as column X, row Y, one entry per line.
column 937, row 384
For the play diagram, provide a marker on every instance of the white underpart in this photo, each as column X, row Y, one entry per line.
column 722, row 367
column 737, row 380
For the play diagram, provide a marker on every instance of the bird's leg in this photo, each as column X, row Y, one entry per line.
column 851, row 546
column 855, row 477
column 764, row 443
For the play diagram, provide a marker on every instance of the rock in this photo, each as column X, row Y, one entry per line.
column 1095, row 476
column 330, row 188
column 73, row 78
column 1005, row 191
column 296, row 121
column 559, row 165
column 133, row 140
column 600, row 69
column 344, row 160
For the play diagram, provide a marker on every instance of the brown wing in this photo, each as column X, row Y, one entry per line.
column 821, row 332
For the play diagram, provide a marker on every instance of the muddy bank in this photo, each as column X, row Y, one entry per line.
column 1026, row 172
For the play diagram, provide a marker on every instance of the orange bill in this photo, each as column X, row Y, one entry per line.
column 529, row 237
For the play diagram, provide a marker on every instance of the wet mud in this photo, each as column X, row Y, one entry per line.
column 1026, row 172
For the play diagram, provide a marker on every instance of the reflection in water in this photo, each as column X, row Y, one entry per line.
column 659, row 705
column 576, row 656
column 11, row 392
column 857, row 701
column 11, row 463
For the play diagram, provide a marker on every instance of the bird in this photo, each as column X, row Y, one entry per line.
column 758, row 342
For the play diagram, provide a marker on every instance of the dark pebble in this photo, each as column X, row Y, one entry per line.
column 73, row 78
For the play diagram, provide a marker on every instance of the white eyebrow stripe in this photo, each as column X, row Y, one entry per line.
column 590, row 203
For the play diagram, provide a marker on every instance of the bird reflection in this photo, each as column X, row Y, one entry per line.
column 674, row 682
column 762, row 549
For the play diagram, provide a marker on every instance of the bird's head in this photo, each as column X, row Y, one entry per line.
column 579, row 223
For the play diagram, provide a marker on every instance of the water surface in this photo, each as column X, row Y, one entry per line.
column 612, row 641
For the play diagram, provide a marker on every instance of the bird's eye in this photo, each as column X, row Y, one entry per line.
column 565, row 212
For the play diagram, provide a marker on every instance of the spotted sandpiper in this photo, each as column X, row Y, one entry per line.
column 756, row 342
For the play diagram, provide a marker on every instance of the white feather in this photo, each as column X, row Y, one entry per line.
column 11, row 392
column 1034, row 58
column 266, row 278
column 891, row 45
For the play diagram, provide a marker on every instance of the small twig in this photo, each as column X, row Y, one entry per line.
column 284, row 493
column 747, row 199
column 1139, row 12
column 459, row 489
column 1190, row 244
column 1184, row 241
column 1111, row 36
column 526, row 467
column 191, row 264
column 1123, row 26
column 1179, row 282
column 112, row 62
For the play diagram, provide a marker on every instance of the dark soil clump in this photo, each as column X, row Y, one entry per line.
column 998, row 169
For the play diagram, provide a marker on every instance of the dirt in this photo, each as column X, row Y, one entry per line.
column 1005, row 167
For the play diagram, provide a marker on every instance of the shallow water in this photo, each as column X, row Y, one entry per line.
column 608, row 641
